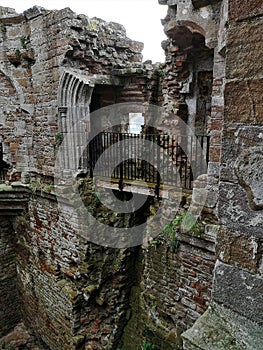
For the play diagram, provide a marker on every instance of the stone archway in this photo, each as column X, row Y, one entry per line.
column 192, row 69
column 74, row 96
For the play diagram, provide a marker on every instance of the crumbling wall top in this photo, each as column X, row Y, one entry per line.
column 7, row 12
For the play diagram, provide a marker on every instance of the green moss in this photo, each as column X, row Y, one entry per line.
column 47, row 188
column 91, row 288
column 58, row 139
column 78, row 340
column 185, row 222
column 5, row 188
column 23, row 42
column 18, row 53
column 148, row 346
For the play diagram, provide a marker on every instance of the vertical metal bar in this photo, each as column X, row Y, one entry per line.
column 128, row 147
column 112, row 155
column 121, row 158
column 167, row 158
column 190, row 162
column 207, row 149
column 104, row 148
column 136, row 157
column 127, row 154
column 185, row 162
column 172, row 160
column 109, row 155
column 158, row 167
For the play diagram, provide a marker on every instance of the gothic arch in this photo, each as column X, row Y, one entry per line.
column 74, row 95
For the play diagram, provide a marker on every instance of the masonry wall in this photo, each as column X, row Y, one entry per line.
column 240, row 195
column 10, row 307
column 86, row 296
column 174, row 289
column 37, row 47
column 72, row 292
column 238, row 280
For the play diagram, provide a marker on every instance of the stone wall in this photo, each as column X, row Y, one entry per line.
column 10, row 310
column 174, row 289
column 37, row 47
column 233, row 318
column 72, row 291
column 240, row 194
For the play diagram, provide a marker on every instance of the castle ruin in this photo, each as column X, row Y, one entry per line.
column 184, row 289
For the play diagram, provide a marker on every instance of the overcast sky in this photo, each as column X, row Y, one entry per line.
column 141, row 18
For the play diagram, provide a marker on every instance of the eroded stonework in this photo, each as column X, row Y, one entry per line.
column 249, row 169
column 182, row 290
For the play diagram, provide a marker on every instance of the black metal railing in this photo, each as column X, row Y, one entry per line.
column 3, row 166
column 157, row 159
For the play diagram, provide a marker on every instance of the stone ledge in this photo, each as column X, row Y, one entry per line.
column 13, row 199
column 219, row 329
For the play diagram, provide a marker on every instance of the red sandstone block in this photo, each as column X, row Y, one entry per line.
column 200, row 287
column 245, row 9
column 199, row 300
column 216, row 124
column 192, row 284
column 214, row 154
column 215, row 140
column 236, row 93
column 13, row 147
column 201, row 309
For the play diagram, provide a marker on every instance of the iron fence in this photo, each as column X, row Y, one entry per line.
column 152, row 158
column 3, row 166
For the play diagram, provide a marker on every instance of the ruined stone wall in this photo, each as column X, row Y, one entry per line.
column 73, row 292
column 82, row 295
column 239, row 247
column 234, row 318
column 10, row 310
column 37, row 47
column 174, row 290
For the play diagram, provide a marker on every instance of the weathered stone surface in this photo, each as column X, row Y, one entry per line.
column 244, row 102
column 245, row 62
column 249, row 169
column 175, row 289
column 219, row 328
column 238, row 290
column 76, row 293
column 10, row 311
column 246, row 9
column 237, row 138
column 34, row 12
column 20, row 337
column 234, row 208
column 7, row 12
column 239, row 249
